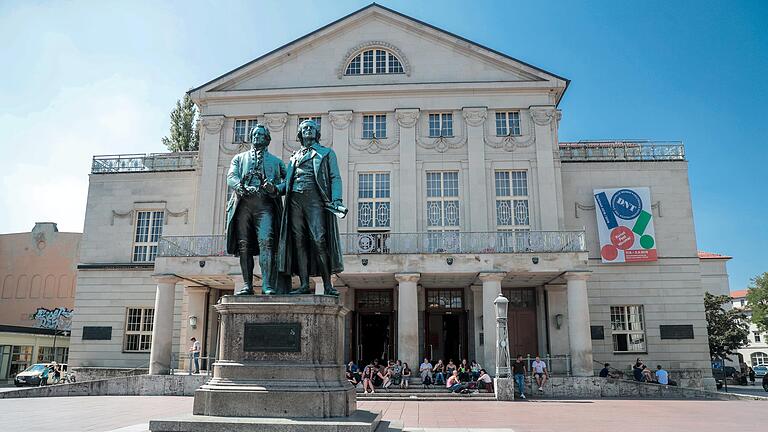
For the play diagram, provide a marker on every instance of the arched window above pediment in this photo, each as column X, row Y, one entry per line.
column 374, row 58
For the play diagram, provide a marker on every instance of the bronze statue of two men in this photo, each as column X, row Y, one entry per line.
column 301, row 238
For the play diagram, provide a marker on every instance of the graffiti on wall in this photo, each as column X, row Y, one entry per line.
column 59, row 318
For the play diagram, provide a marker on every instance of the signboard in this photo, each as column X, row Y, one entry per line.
column 625, row 225
column 97, row 333
column 676, row 331
column 272, row 337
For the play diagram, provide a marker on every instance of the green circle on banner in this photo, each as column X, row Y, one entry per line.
column 646, row 241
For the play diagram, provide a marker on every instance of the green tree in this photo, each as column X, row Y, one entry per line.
column 184, row 135
column 757, row 300
column 728, row 329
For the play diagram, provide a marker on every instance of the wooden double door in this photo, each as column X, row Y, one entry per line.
column 521, row 321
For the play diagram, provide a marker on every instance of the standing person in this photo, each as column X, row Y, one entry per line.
column 406, row 376
column 540, row 372
column 751, row 373
column 56, row 373
column 439, row 371
column 425, row 370
column 194, row 352
column 309, row 235
column 254, row 211
column 44, row 376
column 662, row 376
column 519, row 370
column 475, row 368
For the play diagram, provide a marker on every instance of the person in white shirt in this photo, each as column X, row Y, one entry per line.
column 484, row 381
column 662, row 376
column 425, row 370
column 540, row 372
column 194, row 351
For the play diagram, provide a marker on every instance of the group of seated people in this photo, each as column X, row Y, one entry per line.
column 458, row 379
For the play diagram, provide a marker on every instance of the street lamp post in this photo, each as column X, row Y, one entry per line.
column 502, row 337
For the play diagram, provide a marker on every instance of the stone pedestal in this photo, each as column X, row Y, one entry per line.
column 279, row 356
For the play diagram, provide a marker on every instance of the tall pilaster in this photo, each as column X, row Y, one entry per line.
column 477, row 320
column 578, row 323
column 478, row 194
column 407, row 318
column 491, row 290
column 162, row 325
column 408, row 204
column 545, row 120
column 340, row 121
column 210, row 140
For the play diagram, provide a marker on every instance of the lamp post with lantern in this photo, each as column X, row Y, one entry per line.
column 502, row 337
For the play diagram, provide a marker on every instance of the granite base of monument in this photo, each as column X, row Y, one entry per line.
column 280, row 367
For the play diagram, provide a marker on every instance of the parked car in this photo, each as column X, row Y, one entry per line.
column 760, row 370
column 31, row 375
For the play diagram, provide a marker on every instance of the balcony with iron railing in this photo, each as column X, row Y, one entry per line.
column 153, row 162
column 622, row 151
column 406, row 243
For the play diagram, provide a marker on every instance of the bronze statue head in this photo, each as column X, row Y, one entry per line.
column 260, row 136
column 308, row 133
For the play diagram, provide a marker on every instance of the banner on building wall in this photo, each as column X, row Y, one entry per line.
column 625, row 225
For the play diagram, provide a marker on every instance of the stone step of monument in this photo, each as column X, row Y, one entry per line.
column 431, row 396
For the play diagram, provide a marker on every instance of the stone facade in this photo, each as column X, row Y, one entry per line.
column 441, row 163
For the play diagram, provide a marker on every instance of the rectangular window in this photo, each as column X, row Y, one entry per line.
column 443, row 219
column 47, row 355
column 315, row 119
column 512, row 211
column 627, row 325
column 373, row 200
column 508, row 123
column 149, row 228
column 374, row 126
column 757, row 336
column 138, row 329
column 381, row 61
column 243, row 130
column 441, row 125
column 21, row 358
column 368, row 62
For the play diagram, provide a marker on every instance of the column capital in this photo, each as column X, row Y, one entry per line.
column 340, row 119
column 475, row 116
column 577, row 275
column 492, row 276
column 407, row 277
column 197, row 289
column 476, row 288
column 407, row 117
column 166, row 278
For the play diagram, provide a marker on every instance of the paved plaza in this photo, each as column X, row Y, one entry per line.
column 132, row 413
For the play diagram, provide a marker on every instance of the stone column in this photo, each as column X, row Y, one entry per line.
column 578, row 323
column 162, row 326
column 477, row 317
column 210, row 140
column 340, row 121
column 478, row 193
column 407, row 317
column 491, row 289
column 196, row 307
column 545, row 120
column 408, row 204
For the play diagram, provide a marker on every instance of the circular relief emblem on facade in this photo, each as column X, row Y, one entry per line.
column 622, row 237
column 626, row 204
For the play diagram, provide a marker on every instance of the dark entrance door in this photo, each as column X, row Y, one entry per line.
column 373, row 326
column 521, row 321
column 445, row 325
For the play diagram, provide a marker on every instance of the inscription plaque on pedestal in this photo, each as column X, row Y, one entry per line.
column 272, row 337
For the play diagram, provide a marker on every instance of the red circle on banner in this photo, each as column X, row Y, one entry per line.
column 622, row 237
column 609, row 252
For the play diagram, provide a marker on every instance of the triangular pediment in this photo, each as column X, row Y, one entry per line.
column 428, row 54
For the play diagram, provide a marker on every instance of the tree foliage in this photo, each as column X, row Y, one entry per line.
column 728, row 329
column 757, row 300
column 184, row 135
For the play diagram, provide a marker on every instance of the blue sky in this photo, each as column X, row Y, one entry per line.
column 94, row 77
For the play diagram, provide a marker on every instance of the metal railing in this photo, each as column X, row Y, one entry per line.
column 556, row 364
column 406, row 243
column 617, row 151
column 129, row 163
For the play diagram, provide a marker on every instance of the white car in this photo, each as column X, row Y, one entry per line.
column 31, row 375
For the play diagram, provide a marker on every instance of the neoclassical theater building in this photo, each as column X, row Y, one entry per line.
column 458, row 190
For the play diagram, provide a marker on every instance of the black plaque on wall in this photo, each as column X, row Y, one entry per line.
column 97, row 333
column 684, row 331
column 598, row 332
column 272, row 337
